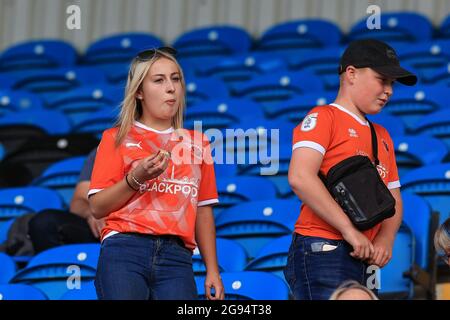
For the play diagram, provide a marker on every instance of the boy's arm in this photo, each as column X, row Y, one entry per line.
column 306, row 184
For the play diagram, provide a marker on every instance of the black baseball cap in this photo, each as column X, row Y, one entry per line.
column 377, row 55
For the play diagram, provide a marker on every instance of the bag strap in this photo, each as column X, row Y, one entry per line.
column 374, row 142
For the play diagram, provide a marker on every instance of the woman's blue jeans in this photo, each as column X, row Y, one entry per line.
column 142, row 267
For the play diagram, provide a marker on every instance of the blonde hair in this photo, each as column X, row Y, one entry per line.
column 131, row 108
column 442, row 237
column 351, row 284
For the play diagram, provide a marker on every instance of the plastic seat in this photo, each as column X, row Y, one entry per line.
column 221, row 113
column 393, row 282
column 119, row 48
column 278, row 87
column 16, row 101
column 62, row 177
column 444, row 28
column 395, row 27
column 33, row 156
column 199, row 90
column 8, row 268
column 205, row 44
column 425, row 57
column 86, row 292
column 53, row 122
column 20, row 292
column 230, row 255
column 97, row 122
column 238, row 69
column 321, row 62
column 253, row 224
column 272, row 257
column 47, row 83
column 249, row 285
column 436, row 124
column 235, row 190
column 80, row 102
column 432, row 183
column 15, row 202
column 411, row 104
column 38, row 54
column 297, row 107
column 392, row 124
column 412, row 152
column 49, row 270
column 294, row 36
column 417, row 215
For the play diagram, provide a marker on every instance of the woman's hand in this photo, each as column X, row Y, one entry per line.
column 151, row 167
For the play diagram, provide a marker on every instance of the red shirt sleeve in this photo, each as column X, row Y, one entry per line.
column 108, row 166
column 315, row 131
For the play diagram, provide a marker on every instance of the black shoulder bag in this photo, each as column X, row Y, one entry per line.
column 358, row 188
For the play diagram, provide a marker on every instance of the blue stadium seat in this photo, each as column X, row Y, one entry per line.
column 211, row 43
column 439, row 76
column 321, row 62
column 411, row 104
column 15, row 202
column 253, row 224
column 6, row 81
column 20, row 292
column 223, row 170
column 231, row 257
column 8, row 268
column 2, row 151
column 274, row 172
column 393, row 281
column 392, row 124
column 417, row 216
column 235, row 190
column 221, row 113
column 291, row 37
column 279, row 86
column 62, row 177
column 52, row 122
column 38, row 54
column 425, row 57
column 296, row 108
column 435, row 124
column 47, row 83
column 16, row 101
column 82, row 101
column 95, row 123
column 119, row 48
column 249, row 285
column 395, row 27
column 444, row 29
column 272, row 257
column 432, row 183
column 241, row 68
column 203, row 89
column 412, row 152
column 86, row 292
column 50, row 270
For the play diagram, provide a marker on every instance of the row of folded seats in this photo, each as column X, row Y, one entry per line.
column 252, row 225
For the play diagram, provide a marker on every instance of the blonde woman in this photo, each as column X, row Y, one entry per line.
column 352, row 290
column 154, row 184
column 442, row 241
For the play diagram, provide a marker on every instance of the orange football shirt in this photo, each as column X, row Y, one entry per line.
column 339, row 134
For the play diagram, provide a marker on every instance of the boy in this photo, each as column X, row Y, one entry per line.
column 327, row 249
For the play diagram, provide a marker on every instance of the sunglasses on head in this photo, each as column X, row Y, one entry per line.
column 150, row 53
